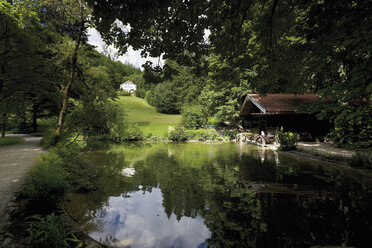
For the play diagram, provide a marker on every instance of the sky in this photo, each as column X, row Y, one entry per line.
column 132, row 57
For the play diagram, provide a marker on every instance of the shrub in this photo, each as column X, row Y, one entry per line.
column 131, row 133
column 123, row 93
column 96, row 117
column 194, row 117
column 48, row 138
column 50, row 231
column 47, row 183
column 287, row 140
column 166, row 99
column 203, row 134
column 231, row 134
column 353, row 129
column 177, row 133
column 213, row 121
column 141, row 93
column 149, row 97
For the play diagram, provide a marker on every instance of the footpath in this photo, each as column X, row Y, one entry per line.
column 15, row 164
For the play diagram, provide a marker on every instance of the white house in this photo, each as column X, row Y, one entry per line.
column 128, row 86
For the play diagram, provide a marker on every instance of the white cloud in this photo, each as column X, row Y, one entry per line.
column 133, row 57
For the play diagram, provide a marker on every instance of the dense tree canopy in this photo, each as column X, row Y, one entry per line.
column 271, row 46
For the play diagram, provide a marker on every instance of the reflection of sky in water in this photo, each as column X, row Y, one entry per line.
column 140, row 221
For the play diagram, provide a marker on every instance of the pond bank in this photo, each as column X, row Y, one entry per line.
column 320, row 151
column 325, row 149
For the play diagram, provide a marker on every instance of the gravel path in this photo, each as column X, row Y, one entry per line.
column 15, row 163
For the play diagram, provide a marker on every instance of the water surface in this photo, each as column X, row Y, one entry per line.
column 221, row 195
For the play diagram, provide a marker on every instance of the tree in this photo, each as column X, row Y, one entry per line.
column 166, row 98
column 194, row 117
column 22, row 48
column 69, row 17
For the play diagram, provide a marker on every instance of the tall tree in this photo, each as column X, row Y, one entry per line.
column 70, row 18
column 22, row 42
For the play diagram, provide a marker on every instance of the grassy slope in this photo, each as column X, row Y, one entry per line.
column 146, row 116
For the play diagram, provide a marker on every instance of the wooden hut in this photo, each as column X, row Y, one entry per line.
column 267, row 113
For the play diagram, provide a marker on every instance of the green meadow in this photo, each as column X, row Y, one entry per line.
column 140, row 112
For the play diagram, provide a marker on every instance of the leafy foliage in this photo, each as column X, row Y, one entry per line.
column 50, row 231
column 123, row 93
column 98, row 117
column 149, row 97
column 166, row 99
column 262, row 46
column 203, row 134
column 287, row 140
column 194, row 117
column 47, row 184
column 353, row 129
column 141, row 93
column 131, row 133
column 178, row 133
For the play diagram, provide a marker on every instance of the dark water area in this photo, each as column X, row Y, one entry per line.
column 221, row 195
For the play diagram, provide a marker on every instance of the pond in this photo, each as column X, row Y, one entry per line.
column 221, row 195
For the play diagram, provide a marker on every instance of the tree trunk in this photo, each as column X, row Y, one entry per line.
column 3, row 125
column 67, row 88
column 63, row 110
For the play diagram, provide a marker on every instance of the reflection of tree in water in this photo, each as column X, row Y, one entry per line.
column 108, row 182
column 216, row 183
column 182, row 194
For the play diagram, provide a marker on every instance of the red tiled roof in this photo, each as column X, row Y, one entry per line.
column 283, row 102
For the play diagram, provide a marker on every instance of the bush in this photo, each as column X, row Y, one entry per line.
column 230, row 134
column 48, row 138
column 149, row 97
column 50, row 231
column 203, row 134
column 287, row 140
column 194, row 117
column 132, row 133
column 166, row 99
column 123, row 93
column 141, row 93
column 353, row 129
column 177, row 133
column 47, row 183
column 213, row 121
column 96, row 117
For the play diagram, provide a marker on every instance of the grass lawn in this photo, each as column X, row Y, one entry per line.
column 10, row 141
column 146, row 116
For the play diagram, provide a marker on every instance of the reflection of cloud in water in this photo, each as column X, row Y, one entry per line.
column 140, row 221
column 128, row 172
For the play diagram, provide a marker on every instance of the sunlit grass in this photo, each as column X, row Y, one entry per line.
column 10, row 141
column 138, row 111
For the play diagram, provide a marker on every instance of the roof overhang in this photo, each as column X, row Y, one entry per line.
column 249, row 100
column 257, row 104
